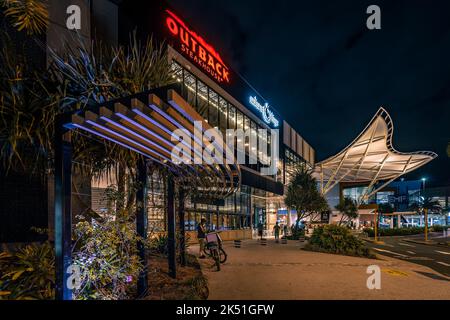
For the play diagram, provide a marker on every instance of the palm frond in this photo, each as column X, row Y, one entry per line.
column 29, row 15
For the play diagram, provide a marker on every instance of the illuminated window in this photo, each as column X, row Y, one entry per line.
column 231, row 117
column 202, row 99
column 213, row 115
column 177, row 71
column 223, row 114
column 190, row 84
column 240, row 120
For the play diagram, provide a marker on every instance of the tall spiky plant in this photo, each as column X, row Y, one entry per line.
column 92, row 74
column 29, row 15
column 27, row 112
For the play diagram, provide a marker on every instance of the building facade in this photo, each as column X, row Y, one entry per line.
column 224, row 100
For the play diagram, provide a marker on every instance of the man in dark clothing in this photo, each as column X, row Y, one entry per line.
column 276, row 231
column 201, row 235
column 260, row 230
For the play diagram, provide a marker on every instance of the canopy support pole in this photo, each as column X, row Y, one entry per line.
column 63, row 211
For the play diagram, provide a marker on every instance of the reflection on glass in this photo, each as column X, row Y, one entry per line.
column 202, row 99
column 213, row 108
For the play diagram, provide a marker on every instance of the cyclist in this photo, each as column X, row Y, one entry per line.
column 201, row 235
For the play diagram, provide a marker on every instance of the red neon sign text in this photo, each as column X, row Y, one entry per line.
column 198, row 49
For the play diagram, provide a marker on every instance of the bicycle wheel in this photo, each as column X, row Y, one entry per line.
column 207, row 252
column 215, row 254
column 223, row 255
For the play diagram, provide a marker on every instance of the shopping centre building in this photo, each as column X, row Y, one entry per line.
column 227, row 101
column 217, row 93
column 205, row 88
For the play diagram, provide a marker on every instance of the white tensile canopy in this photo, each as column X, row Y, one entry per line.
column 370, row 158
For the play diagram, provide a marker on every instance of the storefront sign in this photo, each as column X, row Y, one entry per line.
column 197, row 49
column 325, row 217
column 266, row 113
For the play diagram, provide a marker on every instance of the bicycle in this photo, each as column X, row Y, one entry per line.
column 214, row 249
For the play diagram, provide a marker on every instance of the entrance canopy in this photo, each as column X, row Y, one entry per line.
column 145, row 124
column 370, row 158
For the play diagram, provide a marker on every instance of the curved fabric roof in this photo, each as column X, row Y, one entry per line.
column 144, row 123
column 370, row 158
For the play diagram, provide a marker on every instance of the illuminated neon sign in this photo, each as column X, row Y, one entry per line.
column 266, row 113
column 197, row 49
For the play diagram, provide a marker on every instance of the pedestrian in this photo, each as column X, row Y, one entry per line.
column 276, row 231
column 260, row 230
column 285, row 230
column 201, row 235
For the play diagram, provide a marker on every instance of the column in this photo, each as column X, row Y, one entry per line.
column 142, row 223
column 171, row 227
column 181, row 214
column 63, row 211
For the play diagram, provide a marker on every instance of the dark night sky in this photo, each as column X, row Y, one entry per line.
column 324, row 71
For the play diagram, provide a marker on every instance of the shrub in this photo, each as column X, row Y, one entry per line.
column 439, row 228
column 337, row 239
column 395, row 232
column 159, row 244
column 296, row 233
column 106, row 253
column 28, row 274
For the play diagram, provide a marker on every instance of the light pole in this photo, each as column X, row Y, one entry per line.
column 425, row 210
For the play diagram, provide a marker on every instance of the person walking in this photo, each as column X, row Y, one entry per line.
column 276, row 231
column 260, row 230
column 201, row 235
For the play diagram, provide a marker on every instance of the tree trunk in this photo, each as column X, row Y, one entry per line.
column 121, row 180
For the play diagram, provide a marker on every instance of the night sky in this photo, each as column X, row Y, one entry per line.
column 324, row 71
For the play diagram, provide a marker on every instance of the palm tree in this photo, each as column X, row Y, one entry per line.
column 89, row 75
column 27, row 112
column 423, row 206
column 303, row 195
column 348, row 209
column 28, row 15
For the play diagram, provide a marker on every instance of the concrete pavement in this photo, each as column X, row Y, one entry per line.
column 278, row 271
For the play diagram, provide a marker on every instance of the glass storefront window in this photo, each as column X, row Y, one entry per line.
column 231, row 117
column 246, row 123
column 213, row 115
column 177, row 71
column 190, row 83
column 355, row 193
column 239, row 120
column 223, row 114
column 202, row 99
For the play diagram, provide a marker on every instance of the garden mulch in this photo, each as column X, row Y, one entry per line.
column 190, row 284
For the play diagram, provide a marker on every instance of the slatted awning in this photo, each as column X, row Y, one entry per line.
column 145, row 124
column 370, row 158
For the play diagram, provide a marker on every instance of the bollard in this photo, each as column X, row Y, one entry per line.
column 237, row 243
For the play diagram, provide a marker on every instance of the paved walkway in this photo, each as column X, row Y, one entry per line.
column 278, row 271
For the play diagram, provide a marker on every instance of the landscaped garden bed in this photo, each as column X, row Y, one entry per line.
column 338, row 240
column 190, row 283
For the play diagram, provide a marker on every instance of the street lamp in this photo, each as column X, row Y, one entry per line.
column 425, row 210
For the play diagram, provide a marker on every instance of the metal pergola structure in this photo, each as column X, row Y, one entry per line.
column 370, row 158
column 143, row 123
